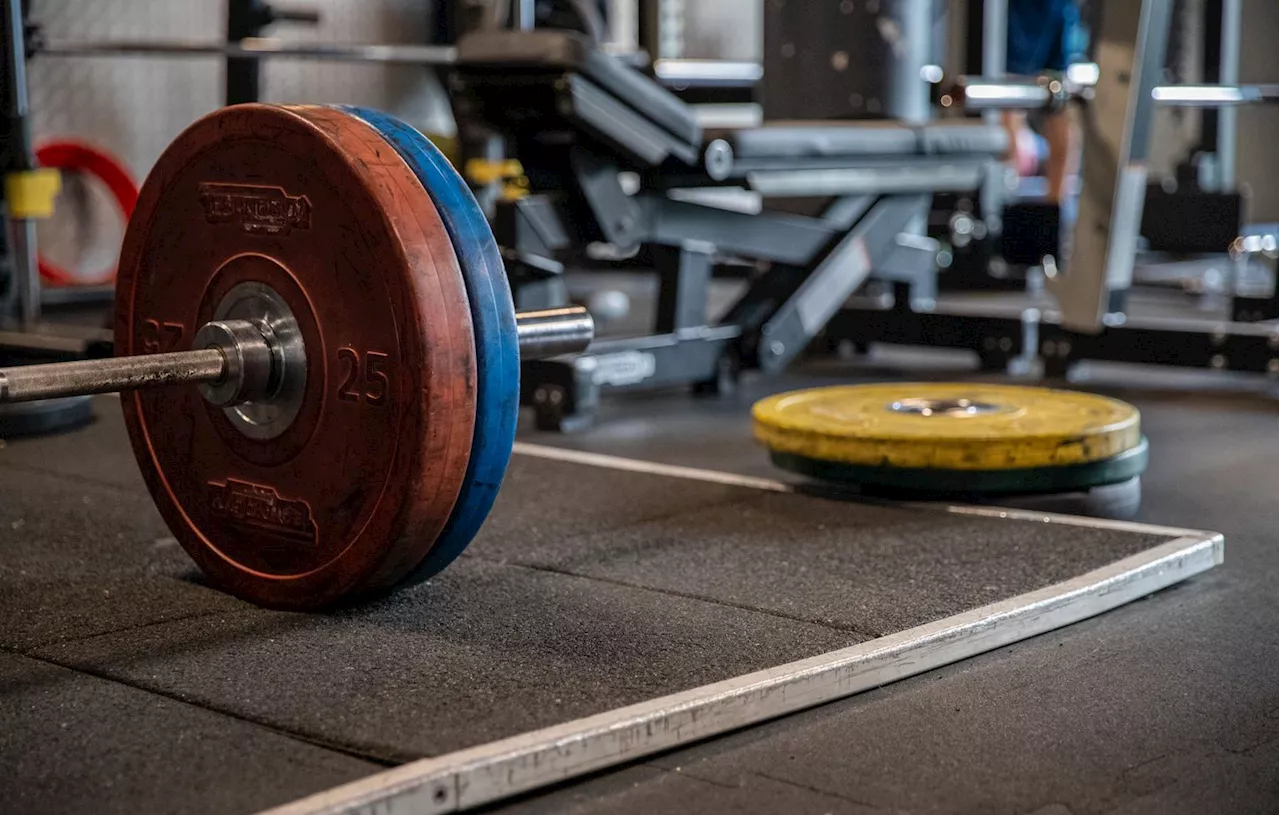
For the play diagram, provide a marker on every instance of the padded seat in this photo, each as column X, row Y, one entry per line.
column 862, row 139
column 821, row 140
column 959, row 138
column 497, row 55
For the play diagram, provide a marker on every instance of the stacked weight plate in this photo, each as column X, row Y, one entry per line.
column 953, row 439
column 493, row 321
column 377, row 462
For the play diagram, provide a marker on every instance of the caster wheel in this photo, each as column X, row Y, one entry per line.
column 549, row 412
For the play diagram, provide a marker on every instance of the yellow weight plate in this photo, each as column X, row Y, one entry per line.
column 946, row 426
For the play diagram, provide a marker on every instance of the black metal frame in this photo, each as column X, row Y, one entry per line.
column 247, row 19
column 575, row 137
column 816, row 264
column 999, row 338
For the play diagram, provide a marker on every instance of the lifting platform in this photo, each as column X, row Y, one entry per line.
column 612, row 609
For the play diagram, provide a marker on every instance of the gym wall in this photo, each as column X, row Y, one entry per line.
column 134, row 106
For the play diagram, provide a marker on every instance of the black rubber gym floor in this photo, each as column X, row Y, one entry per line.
column 128, row 686
column 1168, row 705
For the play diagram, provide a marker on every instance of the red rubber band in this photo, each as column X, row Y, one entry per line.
column 75, row 156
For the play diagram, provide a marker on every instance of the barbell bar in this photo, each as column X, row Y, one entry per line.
column 252, row 48
column 242, row 361
column 978, row 93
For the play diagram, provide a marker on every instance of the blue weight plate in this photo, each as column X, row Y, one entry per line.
column 494, row 321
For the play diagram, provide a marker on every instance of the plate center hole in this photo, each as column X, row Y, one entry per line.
column 943, row 407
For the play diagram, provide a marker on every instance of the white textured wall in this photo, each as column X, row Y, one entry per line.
column 719, row 29
column 134, row 106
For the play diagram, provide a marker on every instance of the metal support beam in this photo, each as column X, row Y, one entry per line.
column 908, row 96
column 684, row 274
column 1228, row 74
column 833, row 279
column 1116, row 127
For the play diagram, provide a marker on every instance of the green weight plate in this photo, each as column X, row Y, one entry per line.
column 928, row 482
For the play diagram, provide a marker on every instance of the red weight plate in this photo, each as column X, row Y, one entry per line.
column 312, row 203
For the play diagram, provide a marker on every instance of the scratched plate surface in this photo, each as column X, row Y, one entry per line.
column 349, row 498
column 493, row 319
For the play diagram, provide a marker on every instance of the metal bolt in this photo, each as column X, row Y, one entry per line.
column 1218, row 337
column 1006, row 344
column 776, row 348
column 540, row 396
column 557, row 396
column 1048, row 348
column 1218, row 361
column 1273, row 365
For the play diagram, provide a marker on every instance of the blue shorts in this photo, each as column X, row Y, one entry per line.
column 1044, row 35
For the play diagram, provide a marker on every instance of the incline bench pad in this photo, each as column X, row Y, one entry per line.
column 570, row 51
column 863, row 138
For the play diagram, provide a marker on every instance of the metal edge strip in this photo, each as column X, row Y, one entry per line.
column 773, row 485
column 533, row 760
column 635, row 465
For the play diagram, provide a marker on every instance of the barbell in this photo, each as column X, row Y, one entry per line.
column 327, row 282
column 1054, row 90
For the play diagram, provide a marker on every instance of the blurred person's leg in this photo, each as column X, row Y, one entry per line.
column 1060, row 167
column 1059, row 129
column 1042, row 36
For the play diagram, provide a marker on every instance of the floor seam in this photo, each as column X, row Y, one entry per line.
column 275, row 729
column 843, row 629
column 816, row 790
column 89, row 637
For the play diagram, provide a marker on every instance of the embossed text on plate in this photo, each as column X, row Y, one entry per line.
column 260, row 506
column 255, row 209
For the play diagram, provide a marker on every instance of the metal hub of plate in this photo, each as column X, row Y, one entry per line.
column 271, row 415
column 950, row 408
column 302, row 220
